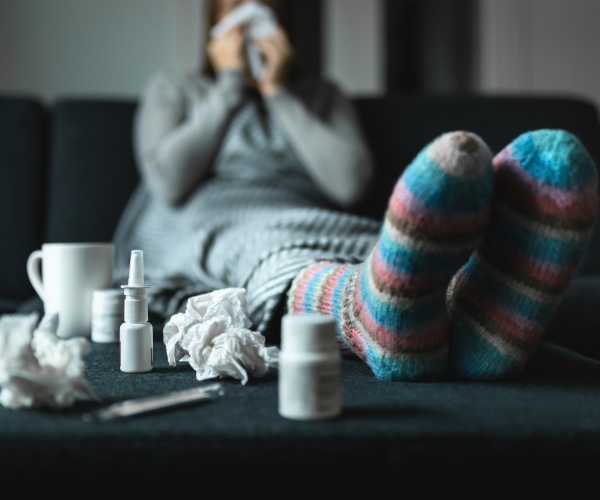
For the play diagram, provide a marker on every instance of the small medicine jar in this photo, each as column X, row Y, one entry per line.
column 309, row 385
column 108, row 306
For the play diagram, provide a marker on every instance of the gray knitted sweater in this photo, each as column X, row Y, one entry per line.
column 238, row 191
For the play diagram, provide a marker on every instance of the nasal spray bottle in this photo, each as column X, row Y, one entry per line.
column 136, row 334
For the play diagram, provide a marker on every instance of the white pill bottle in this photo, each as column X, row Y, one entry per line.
column 310, row 381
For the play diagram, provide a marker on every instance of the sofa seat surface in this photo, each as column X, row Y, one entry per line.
column 537, row 434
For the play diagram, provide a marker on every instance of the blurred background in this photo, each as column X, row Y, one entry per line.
column 55, row 48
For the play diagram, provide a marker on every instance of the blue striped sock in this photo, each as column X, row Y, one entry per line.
column 543, row 213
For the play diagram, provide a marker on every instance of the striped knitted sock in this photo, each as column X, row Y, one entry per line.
column 544, row 207
column 391, row 309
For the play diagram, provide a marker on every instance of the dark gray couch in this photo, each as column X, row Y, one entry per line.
column 66, row 170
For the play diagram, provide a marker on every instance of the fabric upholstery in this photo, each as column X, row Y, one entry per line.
column 22, row 173
column 91, row 171
column 536, row 437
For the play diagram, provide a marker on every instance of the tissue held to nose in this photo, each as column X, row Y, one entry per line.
column 260, row 22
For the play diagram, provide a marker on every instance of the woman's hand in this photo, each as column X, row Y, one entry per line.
column 227, row 51
column 278, row 54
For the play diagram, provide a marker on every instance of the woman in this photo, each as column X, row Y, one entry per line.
column 245, row 180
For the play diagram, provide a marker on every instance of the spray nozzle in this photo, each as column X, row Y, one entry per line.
column 136, row 270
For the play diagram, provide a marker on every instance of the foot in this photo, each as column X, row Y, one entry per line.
column 391, row 309
column 544, row 208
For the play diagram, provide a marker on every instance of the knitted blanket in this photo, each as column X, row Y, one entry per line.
column 255, row 223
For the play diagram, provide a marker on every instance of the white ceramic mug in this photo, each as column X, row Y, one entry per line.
column 65, row 276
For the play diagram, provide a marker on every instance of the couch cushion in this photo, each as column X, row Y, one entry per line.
column 92, row 169
column 537, row 437
column 22, row 156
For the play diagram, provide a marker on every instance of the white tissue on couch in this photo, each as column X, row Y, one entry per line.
column 37, row 368
column 214, row 336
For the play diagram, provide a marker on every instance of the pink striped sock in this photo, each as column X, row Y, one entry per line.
column 391, row 309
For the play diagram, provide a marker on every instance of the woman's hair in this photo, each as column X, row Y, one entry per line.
column 280, row 7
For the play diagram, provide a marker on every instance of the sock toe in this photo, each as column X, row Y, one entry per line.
column 452, row 176
column 552, row 156
column 460, row 153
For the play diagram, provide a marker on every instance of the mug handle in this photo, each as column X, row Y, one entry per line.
column 34, row 272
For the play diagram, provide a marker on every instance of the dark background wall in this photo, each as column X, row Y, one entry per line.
column 111, row 47
column 429, row 46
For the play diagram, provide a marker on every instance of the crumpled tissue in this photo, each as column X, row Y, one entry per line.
column 260, row 22
column 37, row 368
column 213, row 335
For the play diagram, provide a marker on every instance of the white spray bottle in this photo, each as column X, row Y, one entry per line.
column 136, row 334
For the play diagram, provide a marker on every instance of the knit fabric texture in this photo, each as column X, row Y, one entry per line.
column 391, row 309
column 254, row 223
column 544, row 210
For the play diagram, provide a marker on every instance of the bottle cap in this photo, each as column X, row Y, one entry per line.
column 107, row 300
column 107, row 314
column 313, row 332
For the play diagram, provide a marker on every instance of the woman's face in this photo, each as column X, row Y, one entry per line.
column 224, row 7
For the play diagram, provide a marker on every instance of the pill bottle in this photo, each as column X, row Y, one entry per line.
column 309, row 385
column 107, row 314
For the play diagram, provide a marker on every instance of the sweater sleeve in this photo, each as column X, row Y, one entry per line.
column 325, row 133
column 178, row 128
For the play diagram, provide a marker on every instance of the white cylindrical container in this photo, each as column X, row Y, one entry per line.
column 107, row 315
column 310, row 382
column 137, row 355
column 136, row 335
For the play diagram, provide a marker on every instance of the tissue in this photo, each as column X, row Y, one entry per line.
column 213, row 336
column 260, row 22
column 37, row 368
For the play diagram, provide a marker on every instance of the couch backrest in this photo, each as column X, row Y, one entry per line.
column 91, row 171
column 22, row 163
column 75, row 187
column 398, row 126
